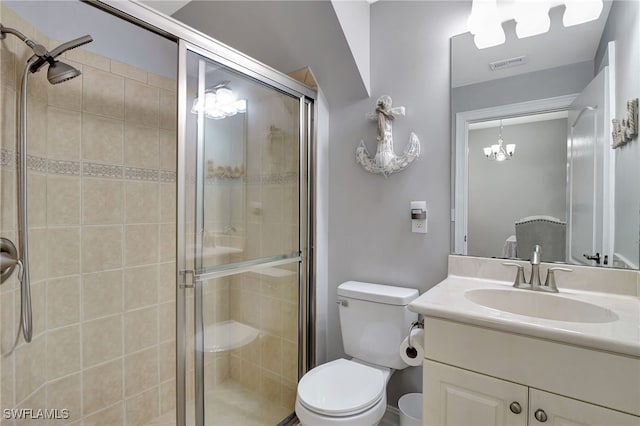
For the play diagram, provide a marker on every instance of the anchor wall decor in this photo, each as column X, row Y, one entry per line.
column 386, row 161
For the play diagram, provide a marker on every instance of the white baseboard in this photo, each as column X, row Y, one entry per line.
column 391, row 417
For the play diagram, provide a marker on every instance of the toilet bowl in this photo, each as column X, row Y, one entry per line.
column 343, row 392
column 374, row 320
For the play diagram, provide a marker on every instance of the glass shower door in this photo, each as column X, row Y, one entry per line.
column 244, row 282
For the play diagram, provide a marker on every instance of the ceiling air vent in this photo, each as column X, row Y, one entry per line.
column 508, row 63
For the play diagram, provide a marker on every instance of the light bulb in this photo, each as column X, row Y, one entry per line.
column 489, row 38
column 487, row 151
column 215, row 113
column 225, row 96
column 532, row 18
column 581, row 11
column 495, row 148
column 484, row 23
column 241, row 105
column 483, row 13
column 209, row 100
column 228, row 110
column 197, row 107
column 511, row 148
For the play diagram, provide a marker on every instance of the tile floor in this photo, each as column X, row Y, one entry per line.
column 230, row 404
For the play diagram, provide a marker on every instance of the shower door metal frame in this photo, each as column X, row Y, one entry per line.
column 199, row 276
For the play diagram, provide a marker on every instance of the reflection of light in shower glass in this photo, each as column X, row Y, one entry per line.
column 219, row 103
column 241, row 105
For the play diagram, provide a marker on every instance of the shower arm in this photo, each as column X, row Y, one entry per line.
column 41, row 53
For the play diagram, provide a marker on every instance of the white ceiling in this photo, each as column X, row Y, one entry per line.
column 168, row 7
column 560, row 46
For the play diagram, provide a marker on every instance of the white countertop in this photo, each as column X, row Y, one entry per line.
column 447, row 300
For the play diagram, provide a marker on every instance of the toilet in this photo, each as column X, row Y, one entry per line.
column 374, row 320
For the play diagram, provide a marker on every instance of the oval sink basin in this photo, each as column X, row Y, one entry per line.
column 540, row 305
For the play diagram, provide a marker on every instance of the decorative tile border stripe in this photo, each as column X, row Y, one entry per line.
column 62, row 167
column 6, row 158
column 135, row 173
column 36, row 164
column 167, row 176
column 102, row 170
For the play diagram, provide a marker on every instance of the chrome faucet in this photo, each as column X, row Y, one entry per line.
column 534, row 279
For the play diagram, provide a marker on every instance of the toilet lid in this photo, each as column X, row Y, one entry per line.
column 341, row 387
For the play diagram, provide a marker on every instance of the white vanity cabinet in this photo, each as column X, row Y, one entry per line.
column 455, row 397
column 572, row 357
column 561, row 411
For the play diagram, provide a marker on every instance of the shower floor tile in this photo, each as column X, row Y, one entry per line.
column 230, row 404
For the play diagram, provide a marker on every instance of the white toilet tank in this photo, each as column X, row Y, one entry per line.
column 374, row 320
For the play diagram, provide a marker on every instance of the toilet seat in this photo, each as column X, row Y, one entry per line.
column 341, row 388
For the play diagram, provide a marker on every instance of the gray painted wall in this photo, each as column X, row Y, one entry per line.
column 369, row 221
column 369, row 236
column 533, row 182
column 623, row 26
column 548, row 83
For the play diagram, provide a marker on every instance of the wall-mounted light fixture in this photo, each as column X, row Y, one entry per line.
column 219, row 102
column 532, row 17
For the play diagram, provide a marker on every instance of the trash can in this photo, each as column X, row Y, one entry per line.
column 410, row 406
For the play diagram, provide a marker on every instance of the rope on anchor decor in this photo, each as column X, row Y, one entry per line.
column 386, row 161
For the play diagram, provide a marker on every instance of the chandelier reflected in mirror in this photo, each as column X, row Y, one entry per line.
column 499, row 151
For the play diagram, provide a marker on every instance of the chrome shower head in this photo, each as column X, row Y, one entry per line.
column 59, row 72
column 50, row 56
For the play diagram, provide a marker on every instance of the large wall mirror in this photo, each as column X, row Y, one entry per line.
column 531, row 135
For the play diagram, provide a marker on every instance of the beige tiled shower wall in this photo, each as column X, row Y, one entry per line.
column 102, row 155
column 268, row 300
column 269, row 364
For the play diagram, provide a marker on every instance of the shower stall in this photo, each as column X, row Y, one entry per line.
column 168, row 199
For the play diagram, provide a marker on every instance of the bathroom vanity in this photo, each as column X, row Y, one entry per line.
column 495, row 355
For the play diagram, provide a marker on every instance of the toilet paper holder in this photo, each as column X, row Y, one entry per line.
column 416, row 324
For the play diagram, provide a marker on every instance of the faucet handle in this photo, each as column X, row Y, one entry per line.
column 519, row 281
column 550, row 282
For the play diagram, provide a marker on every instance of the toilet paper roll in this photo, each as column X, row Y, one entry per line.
column 413, row 356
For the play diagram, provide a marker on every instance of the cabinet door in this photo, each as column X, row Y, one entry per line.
column 563, row 411
column 455, row 397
